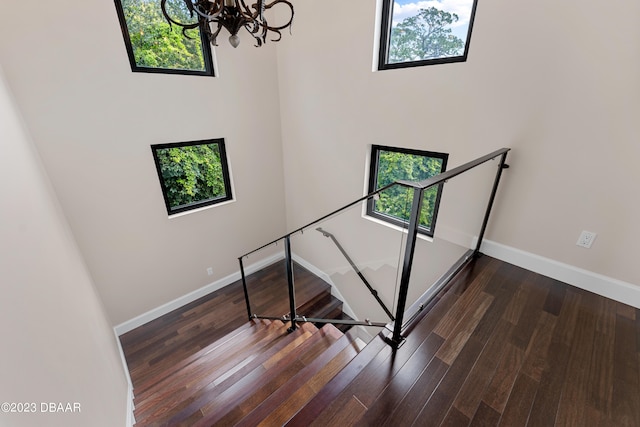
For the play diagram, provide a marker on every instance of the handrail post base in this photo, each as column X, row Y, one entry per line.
column 389, row 338
column 395, row 344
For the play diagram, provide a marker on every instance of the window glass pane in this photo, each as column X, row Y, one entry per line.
column 428, row 30
column 395, row 164
column 154, row 44
column 193, row 174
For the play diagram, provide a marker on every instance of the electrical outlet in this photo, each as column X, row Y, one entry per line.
column 586, row 239
column 210, row 271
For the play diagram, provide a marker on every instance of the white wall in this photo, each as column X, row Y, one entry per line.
column 57, row 345
column 558, row 83
column 93, row 121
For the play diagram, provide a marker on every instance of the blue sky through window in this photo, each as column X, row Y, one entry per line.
column 405, row 8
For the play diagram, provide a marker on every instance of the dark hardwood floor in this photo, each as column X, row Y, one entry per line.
column 155, row 347
column 501, row 347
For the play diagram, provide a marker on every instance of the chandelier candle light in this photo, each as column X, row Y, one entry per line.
column 232, row 15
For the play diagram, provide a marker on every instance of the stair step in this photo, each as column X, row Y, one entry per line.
column 260, row 373
column 327, row 395
column 325, row 306
column 262, row 380
column 246, row 336
column 160, row 372
column 202, row 377
column 284, row 412
column 281, row 370
column 322, row 306
column 251, row 413
column 270, row 295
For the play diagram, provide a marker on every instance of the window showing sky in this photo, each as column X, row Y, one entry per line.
column 405, row 8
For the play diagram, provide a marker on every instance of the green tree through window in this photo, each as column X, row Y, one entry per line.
column 154, row 45
column 192, row 174
column 426, row 35
column 390, row 164
column 421, row 33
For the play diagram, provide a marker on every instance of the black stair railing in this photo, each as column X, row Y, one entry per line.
column 399, row 324
column 355, row 268
column 419, row 188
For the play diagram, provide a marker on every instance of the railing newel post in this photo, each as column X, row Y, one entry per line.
column 492, row 197
column 290, row 283
column 244, row 286
column 412, row 236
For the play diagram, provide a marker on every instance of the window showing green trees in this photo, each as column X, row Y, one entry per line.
column 192, row 174
column 415, row 33
column 390, row 164
column 155, row 46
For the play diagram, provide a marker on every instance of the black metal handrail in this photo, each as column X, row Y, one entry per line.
column 412, row 232
column 355, row 268
column 398, row 325
column 329, row 215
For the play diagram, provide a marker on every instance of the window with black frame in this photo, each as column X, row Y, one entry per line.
column 390, row 164
column 416, row 33
column 193, row 174
column 154, row 46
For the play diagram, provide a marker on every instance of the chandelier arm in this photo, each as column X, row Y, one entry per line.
column 214, row 35
column 255, row 29
column 231, row 16
column 258, row 13
column 259, row 41
column 274, row 3
column 173, row 21
column 277, row 32
column 263, row 29
column 247, row 15
column 207, row 16
column 244, row 9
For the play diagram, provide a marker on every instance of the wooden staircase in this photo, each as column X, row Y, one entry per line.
column 324, row 306
column 259, row 374
column 206, row 364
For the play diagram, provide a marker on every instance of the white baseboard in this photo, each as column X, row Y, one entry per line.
column 192, row 296
column 614, row 289
column 130, row 405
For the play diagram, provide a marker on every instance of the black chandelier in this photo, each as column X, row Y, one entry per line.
column 232, row 15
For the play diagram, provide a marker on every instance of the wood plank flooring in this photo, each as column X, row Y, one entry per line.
column 153, row 349
column 501, row 347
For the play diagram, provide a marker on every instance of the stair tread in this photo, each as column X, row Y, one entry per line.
column 216, row 351
column 182, row 389
column 337, row 384
column 301, row 390
column 161, row 373
column 268, row 376
column 282, row 371
column 256, row 373
column 222, row 394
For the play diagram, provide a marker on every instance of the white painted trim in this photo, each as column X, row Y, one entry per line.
column 200, row 209
column 131, row 418
column 130, row 405
column 614, row 289
column 192, row 296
